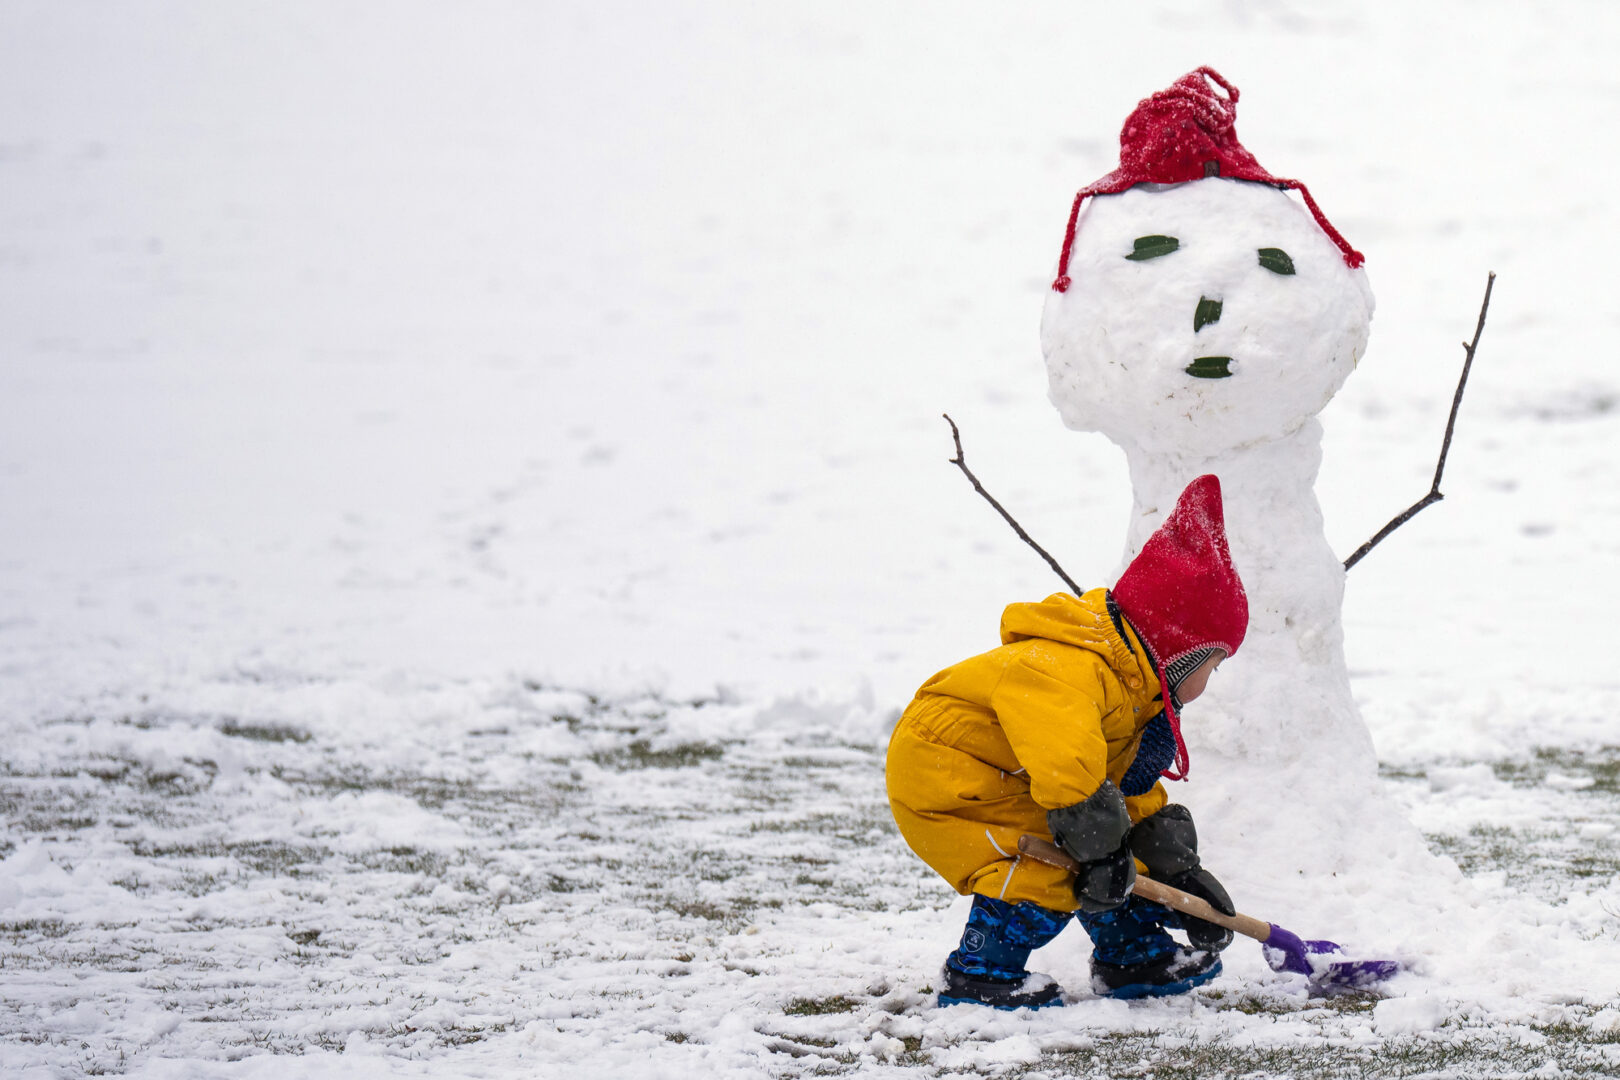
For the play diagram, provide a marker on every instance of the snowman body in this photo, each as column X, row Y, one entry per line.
column 1205, row 326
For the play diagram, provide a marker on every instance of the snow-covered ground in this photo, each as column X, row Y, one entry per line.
column 473, row 497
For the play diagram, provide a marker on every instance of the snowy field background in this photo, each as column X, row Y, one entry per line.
column 473, row 499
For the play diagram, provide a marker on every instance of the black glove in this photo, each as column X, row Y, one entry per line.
column 1093, row 832
column 1167, row 844
column 1205, row 935
column 1104, row 884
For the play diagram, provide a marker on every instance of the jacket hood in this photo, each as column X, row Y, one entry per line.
column 1084, row 622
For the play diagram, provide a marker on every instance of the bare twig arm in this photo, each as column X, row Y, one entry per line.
column 961, row 462
column 1434, row 495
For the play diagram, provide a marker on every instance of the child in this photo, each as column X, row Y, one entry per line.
column 1063, row 731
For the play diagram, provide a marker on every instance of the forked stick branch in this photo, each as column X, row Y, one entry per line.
column 960, row 462
column 1434, row 495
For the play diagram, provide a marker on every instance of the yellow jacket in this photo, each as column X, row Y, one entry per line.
column 990, row 744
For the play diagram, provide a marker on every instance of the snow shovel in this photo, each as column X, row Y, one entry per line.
column 1284, row 950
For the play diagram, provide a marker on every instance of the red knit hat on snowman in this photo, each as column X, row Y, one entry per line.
column 1186, row 132
column 1184, row 596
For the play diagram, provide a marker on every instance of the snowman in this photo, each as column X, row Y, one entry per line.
column 1201, row 319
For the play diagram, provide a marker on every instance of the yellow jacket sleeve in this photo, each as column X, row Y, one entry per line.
column 1049, row 707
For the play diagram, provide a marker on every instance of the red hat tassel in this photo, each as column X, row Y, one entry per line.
column 1352, row 258
column 1183, row 763
column 1062, row 282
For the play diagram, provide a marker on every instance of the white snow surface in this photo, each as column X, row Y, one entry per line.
column 475, row 499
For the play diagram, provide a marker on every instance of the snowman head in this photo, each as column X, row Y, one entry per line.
column 1201, row 317
column 1197, row 306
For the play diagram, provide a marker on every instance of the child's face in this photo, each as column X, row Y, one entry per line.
column 1194, row 684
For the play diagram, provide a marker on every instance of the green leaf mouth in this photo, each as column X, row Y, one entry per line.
column 1211, row 367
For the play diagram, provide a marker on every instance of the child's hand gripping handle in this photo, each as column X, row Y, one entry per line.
column 1047, row 852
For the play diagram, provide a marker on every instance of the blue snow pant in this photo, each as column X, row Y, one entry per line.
column 1132, row 933
column 1000, row 936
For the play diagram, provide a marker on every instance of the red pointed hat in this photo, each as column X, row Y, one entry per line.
column 1182, row 133
column 1183, row 594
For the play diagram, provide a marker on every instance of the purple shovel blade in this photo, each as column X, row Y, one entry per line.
column 1286, row 952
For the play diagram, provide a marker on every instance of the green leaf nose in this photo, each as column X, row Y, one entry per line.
column 1208, row 311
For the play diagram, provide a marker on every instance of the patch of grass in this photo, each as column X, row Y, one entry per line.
column 47, row 823
column 430, row 792
column 717, row 874
column 1595, row 865
column 1249, row 1004
column 809, row 764
column 820, row 1006
column 791, row 1048
column 1606, row 771
column 642, row 755
column 209, row 849
column 269, row 733
column 467, row 1036
column 821, row 1042
column 804, row 1046
column 406, row 860
column 699, row 909
column 1492, row 847
column 169, row 783
column 45, row 928
column 1449, row 1052
column 1602, row 765
column 1259, row 1003
column 850, row 828
column 1578, row 1033
column 277, row 859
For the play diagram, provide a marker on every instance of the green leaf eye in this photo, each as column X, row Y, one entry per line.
column 1275, row 259
column 1151, row 247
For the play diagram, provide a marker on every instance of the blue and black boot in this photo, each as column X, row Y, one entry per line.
column 988, row 968
column 1133, row 957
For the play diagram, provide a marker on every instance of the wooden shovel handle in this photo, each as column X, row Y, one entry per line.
column 1047, row 852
